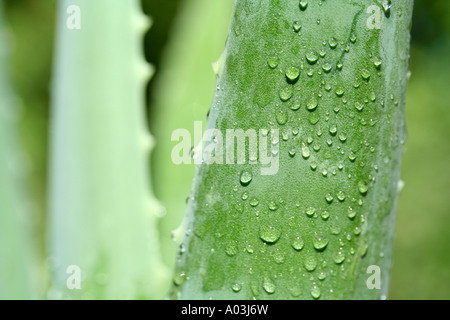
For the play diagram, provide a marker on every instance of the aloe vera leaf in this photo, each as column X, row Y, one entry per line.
column 103, row 216
column 197, row 39
column 331, row 77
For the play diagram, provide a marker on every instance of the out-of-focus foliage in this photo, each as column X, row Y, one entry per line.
column 182, row 93
column 421, row 268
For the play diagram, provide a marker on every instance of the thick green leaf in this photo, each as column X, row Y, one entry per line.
column 103, row 217
column 329, row 77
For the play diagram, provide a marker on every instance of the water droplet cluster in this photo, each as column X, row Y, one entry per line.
column 328, row 133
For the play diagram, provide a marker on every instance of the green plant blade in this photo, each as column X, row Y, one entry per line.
column 197, row 39
column 322, row 86
column 103, row 217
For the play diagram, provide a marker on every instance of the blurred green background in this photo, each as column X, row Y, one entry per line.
column 421, row 266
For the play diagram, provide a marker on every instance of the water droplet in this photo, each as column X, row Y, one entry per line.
column 295, row 106
column 339, row 258
column 387, row 7
column 298, row 243
column 246, row 177
column 340, row 91
column 325, row 215
column 303, row 4
column 273, row 206
column 231, row 250
column 310, row 263
column 312, row 104
column 319, row 132
column 310, row 211
column 244, row 196
column 273, row 62
column 281, row 116
column 254, row 202
column 362, row 187
column 295, row 291
column 305, row 152
column 347, row 47
column 351, row 214
column 238, row 29
column 179, row 278
column 250, row 249
column 327, row 67
column 320, row 243
column 270, row 234
column 365, row 74
column 377, row 63
column 292, row 153
column 333, row 130
column 352, row 156
column 315, row 292
column 311, row 57
column 236, row 287
column 268, row 285
column 239, row 207
column 353, row 37
column 286, row 93
column 313, row 118
column 359, row 106
column 278, row 257
column 329, row 198
column 339, row 66
column 322, row 276
column 332, row 43
column 364, row 248
column 342, row 137
column 341, row 196
column 292, row 74
column 297, row 26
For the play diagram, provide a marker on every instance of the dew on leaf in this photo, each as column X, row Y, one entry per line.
column 270, row 234
column 320, row 243
column 310, row 263
column 269, row 286
column 339, row 258
column 273, row 62
column 292, row 74
column 246, row 177
column 286, row 93
column 303, row 4
column 298, row 243
column 315, row 292
column 312, row 104
column 311, row 57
